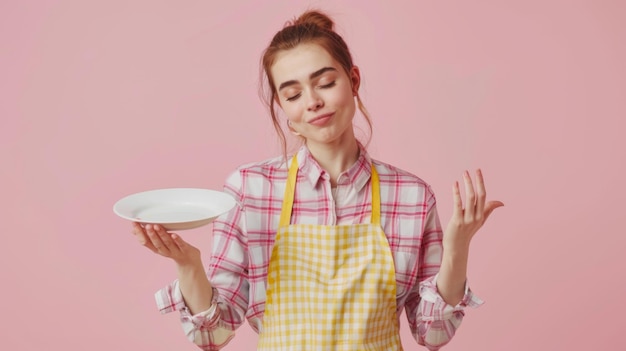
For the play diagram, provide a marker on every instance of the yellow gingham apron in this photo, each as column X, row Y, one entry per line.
column 330, row 288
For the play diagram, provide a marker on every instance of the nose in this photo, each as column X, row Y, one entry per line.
column 314, row 101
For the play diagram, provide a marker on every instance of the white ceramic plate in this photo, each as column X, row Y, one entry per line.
column 175, row 208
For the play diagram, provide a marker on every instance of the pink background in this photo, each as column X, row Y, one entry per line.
column 100, row 99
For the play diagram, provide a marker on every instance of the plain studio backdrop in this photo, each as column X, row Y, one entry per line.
column 101, row 99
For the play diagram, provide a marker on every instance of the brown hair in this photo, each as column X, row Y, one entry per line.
column 311, row 27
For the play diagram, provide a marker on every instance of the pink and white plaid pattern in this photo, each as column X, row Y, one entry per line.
column 243, row 240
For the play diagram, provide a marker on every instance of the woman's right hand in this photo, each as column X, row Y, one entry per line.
column 166, row 244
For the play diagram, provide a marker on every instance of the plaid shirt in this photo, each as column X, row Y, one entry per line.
column 243, row 240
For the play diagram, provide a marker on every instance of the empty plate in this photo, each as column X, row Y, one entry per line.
column 175, row 208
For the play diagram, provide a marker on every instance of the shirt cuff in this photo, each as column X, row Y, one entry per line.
column 202, row 320
column 436, row 308
column 170, row 299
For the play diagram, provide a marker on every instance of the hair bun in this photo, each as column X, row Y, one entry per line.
column 315, row 18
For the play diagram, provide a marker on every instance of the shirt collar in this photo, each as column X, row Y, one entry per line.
column 358, row 174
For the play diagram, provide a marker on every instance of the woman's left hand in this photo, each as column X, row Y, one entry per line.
column 466, row 221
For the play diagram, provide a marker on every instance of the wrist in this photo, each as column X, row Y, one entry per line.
column 189, row 267
column 456, row 249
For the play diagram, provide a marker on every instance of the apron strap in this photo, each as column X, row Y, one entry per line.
column 290, row 190
column 375, row 197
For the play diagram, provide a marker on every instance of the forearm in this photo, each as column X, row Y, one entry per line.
column 195, row 287
column 453, row 274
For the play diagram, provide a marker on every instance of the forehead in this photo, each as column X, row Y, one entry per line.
column 298, row 63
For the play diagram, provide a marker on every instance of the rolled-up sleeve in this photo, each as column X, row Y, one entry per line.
column 434, row 322
column 214, row 328
column 202, row 328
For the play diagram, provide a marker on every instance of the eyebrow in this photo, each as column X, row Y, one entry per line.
column 313, row 75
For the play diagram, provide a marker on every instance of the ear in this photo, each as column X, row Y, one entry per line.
column 355, row 79
column 293, row 131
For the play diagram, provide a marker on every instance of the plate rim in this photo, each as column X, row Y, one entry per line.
column 227, row 196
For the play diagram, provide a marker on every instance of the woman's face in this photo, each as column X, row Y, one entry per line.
column 315, row 93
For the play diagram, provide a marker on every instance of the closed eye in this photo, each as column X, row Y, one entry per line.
column 325, row 86
column 295, row 97
column 329, row 85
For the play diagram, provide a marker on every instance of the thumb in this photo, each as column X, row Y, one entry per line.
column 490, row 206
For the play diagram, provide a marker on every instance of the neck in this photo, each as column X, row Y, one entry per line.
column 336, row 157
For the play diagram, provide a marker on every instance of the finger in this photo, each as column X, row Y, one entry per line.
column 182, row 245
column 137, row 228
column 166, row 238
column 456, row 200
column 142, row 237
column 490, row 206
column 470, row 197
column 481, row 195
column 156, row 240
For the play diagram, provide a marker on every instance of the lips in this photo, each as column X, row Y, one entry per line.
column 321, row 119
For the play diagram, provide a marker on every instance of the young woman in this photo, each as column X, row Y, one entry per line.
column 325, row 248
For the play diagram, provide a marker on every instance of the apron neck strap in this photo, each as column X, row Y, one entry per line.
column 375, row 197
column 290, row 190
